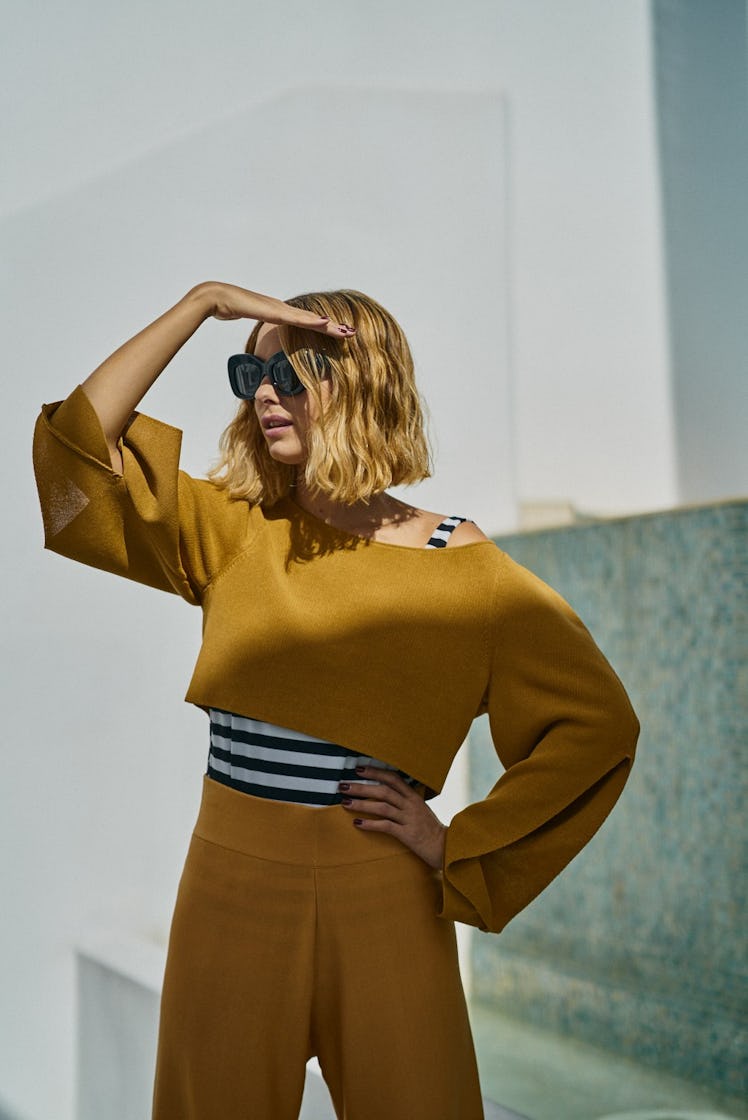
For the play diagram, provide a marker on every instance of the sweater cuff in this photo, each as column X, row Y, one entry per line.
column 454, row 907
column 75, row 422
column 464, row 896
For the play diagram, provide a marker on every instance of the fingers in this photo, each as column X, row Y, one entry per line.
column 382, row 798
column 339, row 330
column 385, row 810
column 384, row 824
column 384, row 777
column 323, row 324
column 392, row 806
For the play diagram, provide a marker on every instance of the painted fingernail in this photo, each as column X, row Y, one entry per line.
column 358, row 821
column 346, row 800
column 360, row 769
column 344, row 785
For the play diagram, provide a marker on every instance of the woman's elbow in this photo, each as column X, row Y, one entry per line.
column 621, row 726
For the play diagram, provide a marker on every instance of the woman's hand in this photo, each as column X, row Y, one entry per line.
column 116, row 387
column 403, row 812
column 227, row 301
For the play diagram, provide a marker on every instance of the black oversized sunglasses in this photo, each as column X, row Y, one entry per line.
column 247, row 372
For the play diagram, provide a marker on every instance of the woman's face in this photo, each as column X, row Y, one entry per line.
column 286, row 443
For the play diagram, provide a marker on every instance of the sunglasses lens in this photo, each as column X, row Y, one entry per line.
column 245, row 375
column 284, row 377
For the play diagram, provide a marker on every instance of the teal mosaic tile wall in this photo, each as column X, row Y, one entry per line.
column 639, row 945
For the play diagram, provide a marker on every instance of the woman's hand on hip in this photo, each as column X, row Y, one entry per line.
column 402, row 812
column 227, row 301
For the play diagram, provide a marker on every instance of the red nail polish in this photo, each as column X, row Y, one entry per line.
column 346, row 800
column 358, row 821
column 343, row 785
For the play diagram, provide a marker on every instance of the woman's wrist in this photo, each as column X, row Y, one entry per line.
column 434, row 856
column 204, row 296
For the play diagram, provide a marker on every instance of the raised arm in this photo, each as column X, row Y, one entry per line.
column 118, row 385
column 110, row 489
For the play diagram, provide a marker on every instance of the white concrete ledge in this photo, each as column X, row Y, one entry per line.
column 132, row 957
column 119, row 980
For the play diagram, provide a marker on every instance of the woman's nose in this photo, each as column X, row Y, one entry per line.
column 262, row 389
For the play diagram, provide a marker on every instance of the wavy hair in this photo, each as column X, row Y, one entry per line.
column 370, row 434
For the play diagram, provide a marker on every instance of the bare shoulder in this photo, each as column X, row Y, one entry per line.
column 467, row 533
column 412, row 526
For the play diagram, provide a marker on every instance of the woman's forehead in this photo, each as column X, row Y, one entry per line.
column 268, row 341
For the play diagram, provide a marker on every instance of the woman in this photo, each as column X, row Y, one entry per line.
column 349, row 640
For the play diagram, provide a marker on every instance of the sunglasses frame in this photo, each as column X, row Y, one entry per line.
column 277, row 367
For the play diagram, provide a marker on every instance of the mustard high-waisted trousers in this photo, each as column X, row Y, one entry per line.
column 295, row 934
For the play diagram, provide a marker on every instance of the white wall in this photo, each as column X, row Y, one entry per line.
column 94, row 86
column 490, row 178
column 702, row 98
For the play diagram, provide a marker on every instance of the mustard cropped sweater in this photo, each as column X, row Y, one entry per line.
column 395, row 650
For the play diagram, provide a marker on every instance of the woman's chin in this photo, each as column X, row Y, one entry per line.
column 289, row 455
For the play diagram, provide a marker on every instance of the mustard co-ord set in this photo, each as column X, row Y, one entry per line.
column 294, row 932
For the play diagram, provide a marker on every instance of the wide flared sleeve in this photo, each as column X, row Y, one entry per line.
column 565, row 733
column 153, row 523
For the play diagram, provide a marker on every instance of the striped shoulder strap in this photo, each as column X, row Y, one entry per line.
column 441, row 533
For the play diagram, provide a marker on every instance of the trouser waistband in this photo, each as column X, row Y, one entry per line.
column 288, row 832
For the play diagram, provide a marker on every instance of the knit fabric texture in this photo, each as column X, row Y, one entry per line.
column 387, row 649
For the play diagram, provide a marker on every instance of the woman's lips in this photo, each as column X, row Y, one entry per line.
column 271, row 425
column 277, row 429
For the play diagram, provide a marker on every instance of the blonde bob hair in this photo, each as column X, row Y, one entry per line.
column 370, row 433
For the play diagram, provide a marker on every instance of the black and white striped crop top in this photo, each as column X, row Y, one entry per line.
column 266, row 760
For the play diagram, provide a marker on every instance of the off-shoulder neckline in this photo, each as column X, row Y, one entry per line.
column 334, row 529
